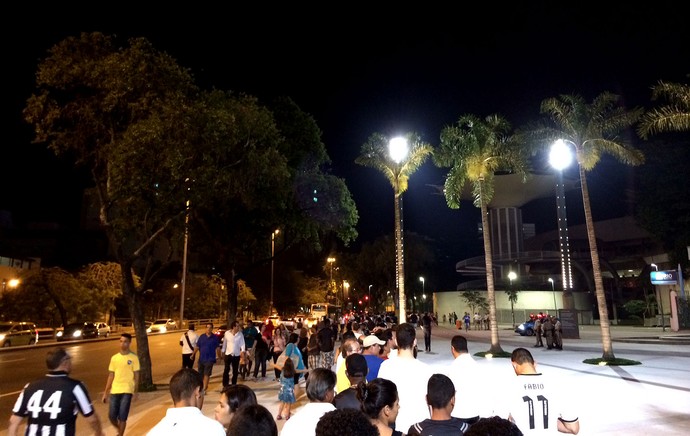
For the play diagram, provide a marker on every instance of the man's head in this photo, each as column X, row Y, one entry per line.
column 125, row 342
column 185, row 387
column 405, row 336
column 440, row 392
column 351, row 346
column 345, row 421
column 356, row 366
column 522, row 361
column 191, row 327
column 234, row 327
column 209, row 328
column 321, row 385
column 459, row 345
column 254, row 419
column 58, row 360
column 372, row 345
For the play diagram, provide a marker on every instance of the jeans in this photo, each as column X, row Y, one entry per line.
column 118, row 409
column 235, row 362
column 261, row 357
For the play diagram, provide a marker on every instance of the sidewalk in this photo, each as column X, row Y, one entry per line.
column 651, row 398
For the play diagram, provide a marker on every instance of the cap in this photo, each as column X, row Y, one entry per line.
column 356, row 365
column 371, row 340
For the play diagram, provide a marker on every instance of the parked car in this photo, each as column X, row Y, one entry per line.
column 103, row 329
column 77, row 330
column 526, row 328
column 162, row 326
column 14, row 333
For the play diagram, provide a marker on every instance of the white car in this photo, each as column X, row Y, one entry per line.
column 162, row 326
column 103, row 329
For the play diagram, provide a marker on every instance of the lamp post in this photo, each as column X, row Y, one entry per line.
column 560, row 158
column 512, row 276
column 398, row 149
column 370, row 295
column 661, row 307
column 346, row 287
column 330, row 261
column 553, row 289
column 184, row 257
column 273, row 246
column 421, row 279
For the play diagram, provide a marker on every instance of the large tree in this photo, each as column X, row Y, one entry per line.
column 376, row 153
column 475, row 149
column 593, row 129
column 673, row 115
column 119, row 109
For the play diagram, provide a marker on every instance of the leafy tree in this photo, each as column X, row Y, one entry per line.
column 513, row 298
column 474, row 299
column 671, row 117
column 68, row 295
column 375, row 154
column 120, row 111
column 593, row 130
column 104, row 279
column 475, row 149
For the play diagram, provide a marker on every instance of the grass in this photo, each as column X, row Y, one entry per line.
column 611, row 362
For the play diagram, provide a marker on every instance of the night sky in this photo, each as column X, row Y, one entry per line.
column 360, row 71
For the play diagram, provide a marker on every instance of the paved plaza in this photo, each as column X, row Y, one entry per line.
column 648, row 399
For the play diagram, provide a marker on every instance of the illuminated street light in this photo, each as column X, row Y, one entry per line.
column 512, row 276
column 273, row 245
column 398, row 148
column 560, row 157
column 555, row 307
column 330, row 261
column 661, row 306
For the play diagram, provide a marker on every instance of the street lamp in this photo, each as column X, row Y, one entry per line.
column 421, row 279
column 370, row 294
column 560, row 158
column 398, row 148
column 512, row 276
column 273, row 246
column 661, row 307
column 184, row 254
column 330, row 261
column 555, row 307
column 346, row 288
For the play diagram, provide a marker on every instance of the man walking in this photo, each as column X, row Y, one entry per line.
column 427, row 321
column 188, row 343
column 122, row 385
column 51, row 403
column 469, row 378
column 249, row 335
column 233, row 347
column 326, row 341
column 207, row 347
column 537, row 332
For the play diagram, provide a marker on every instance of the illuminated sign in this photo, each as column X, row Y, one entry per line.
column 664, row 277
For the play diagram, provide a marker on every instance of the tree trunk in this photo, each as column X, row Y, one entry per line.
column 491, row 293
column 136, row 312
column 400, row 263
column 596, row 269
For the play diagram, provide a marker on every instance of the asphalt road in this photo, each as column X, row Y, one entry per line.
column 90, row 360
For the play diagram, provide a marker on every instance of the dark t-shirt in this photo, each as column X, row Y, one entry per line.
column 207, row 347
column 51, row 403
column 347, row 399
column 326, row 339
column 449, row 427
column 261, row 344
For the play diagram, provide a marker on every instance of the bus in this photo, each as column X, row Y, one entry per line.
column 320, row 310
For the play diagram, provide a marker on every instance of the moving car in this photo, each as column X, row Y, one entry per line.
column 103, row 329
column 526, row 328
column 77, row 330
column 13, row 333
column 162, row 326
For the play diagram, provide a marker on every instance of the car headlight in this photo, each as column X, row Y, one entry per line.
column 148, row 330
column 521, row 327
column 76, row 334
column 163, row 329
column 2, row 337
column 59, row 334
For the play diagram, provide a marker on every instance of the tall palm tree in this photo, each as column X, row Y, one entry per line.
column 475, row 149
column 375, row 154
column 673, row 117
column 592, row 129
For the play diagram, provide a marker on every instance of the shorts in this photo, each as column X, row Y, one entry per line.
column 205, row 368
column 118, row 409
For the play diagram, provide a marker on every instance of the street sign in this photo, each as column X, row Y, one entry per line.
column 664, row 277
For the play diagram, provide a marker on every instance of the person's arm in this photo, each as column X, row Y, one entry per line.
column 572, row 427
column 95, row 424
column 225, row 344
column 15, row 420
column 108, row 385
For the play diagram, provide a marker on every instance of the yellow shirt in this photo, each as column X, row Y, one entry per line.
column 123, row 366
column 342, row 382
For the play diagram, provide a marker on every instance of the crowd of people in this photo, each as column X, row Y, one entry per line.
column 371, row 384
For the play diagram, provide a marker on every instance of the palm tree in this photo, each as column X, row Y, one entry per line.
column 674, row 117
column 475, row 149
column 375, row 154
column 592, row 129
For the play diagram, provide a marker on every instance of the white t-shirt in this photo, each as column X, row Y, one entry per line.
column 410, row 377
column 536, row 401
column 303, row 423
column 472, row 395
column 186, row 421
column 192, row 339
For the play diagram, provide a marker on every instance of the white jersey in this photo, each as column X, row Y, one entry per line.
column 410, row 377
column 535, row 402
